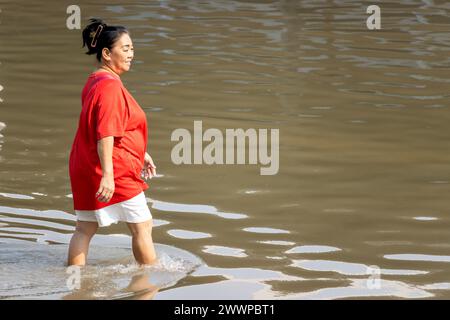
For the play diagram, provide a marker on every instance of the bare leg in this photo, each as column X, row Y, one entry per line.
column 79, row 244
column 142, row 243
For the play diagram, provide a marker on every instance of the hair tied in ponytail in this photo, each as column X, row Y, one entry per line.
column 96, row 35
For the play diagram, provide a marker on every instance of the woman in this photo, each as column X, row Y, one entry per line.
column 108, row 155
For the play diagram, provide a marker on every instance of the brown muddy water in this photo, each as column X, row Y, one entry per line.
column 364, row 164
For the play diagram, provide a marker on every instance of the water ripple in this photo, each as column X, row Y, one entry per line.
column 348, row 268
column 225, row 251
column 312, row 249
column 193, row 208
column 186, row 234
column 418, row 257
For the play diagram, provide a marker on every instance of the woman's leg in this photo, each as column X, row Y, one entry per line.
column 142, row 243
column 79, row 244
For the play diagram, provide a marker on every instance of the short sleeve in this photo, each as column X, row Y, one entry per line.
column 112, row 115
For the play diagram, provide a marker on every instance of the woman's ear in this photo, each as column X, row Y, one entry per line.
column 106, row 54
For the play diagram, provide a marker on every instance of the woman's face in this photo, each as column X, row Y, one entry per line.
column 120, row 56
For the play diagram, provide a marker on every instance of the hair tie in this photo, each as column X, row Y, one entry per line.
column 96, row 35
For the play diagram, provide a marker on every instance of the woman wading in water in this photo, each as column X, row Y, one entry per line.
column 108, row 154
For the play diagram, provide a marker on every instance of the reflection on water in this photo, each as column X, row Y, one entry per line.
column 358, row 288
column 312, row 249
column 186, row 234
column 265, row 230
column 193, row 208
column 225, row 251
column 347, row 268
column 418, row 257
column 364, row 168
column 16, row 196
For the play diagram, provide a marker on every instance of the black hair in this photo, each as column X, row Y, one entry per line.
column 97, row 35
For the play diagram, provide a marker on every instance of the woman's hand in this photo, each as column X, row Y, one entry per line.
column 149, row 169
column 106, row 189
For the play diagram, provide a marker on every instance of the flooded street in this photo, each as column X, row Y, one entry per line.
column 362, row 190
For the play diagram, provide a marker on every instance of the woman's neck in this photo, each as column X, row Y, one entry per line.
column 108, row 69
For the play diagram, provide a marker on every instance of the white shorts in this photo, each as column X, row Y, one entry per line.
column 134, row 210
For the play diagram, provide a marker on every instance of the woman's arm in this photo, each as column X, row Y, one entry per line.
column 105, row 150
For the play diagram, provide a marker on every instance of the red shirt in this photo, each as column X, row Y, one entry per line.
column 108, row 109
